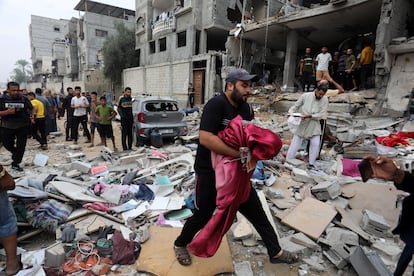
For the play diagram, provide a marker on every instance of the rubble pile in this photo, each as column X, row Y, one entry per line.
column 98, row 202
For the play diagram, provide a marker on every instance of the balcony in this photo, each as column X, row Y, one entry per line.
column 164, row 24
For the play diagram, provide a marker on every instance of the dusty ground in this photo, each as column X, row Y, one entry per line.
column 256, row 255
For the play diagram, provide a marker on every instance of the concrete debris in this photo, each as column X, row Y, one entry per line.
column 315, row 263
column 243, row 268
column 368, row 263
column 327, row 190
column 374, row 224
column 387, row 249
column 339, row 254
column 335, row 235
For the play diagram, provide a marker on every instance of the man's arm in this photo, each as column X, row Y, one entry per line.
column 214, row 143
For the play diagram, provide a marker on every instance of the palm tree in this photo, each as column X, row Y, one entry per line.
column 23, row 71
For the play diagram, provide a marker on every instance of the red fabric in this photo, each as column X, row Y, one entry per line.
column 232, row 182
column 396, row 139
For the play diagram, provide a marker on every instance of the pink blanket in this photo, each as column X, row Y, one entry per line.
column 232, row 182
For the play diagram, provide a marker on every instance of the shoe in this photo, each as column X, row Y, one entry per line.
column 68, row 139
column 16, row 167
column 43, row 147
column 75, row 142
column 91, row 146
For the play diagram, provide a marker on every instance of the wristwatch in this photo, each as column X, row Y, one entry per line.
column 2, row 171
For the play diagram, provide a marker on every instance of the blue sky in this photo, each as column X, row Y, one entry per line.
column 14, row 32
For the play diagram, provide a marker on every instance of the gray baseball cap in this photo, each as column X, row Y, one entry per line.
column 240, row 74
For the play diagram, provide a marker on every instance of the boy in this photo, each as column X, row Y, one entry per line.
column 105, row 114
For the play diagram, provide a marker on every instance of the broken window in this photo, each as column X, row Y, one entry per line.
column 181, row 39
column 101, row 33
column 152, row 47
column 163, row 44
column 234, row 15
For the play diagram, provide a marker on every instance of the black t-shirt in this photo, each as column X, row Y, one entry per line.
column 215, row 112
column 125, row 108
column 23, row 108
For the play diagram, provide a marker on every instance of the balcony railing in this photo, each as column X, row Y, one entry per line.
column 164, row 25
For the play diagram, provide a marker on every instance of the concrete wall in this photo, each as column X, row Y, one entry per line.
column 392, row 85
column 166, row 79
column 55, row 86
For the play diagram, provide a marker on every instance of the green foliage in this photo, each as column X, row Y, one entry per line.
column 119, row 53
column 23, row 71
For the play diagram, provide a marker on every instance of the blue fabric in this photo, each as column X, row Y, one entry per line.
column 48, row 214
column 259, row 172
column 8, row 221
column 144, row 193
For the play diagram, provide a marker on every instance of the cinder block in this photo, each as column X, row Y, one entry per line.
column 303, row 240
column 81, row 166
column 338, row 255
column 73, row 173
column 70, row 156
column 368, row 263
column 388, row 250
column 55, row 255
column 294, row 248
column 300, row 175
column 374, row 223
column 327, row 190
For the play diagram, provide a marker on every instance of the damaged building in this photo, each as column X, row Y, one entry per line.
column 189, row 41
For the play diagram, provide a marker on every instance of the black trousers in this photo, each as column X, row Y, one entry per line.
column 126, row 133
column 14, row 140
column 365, row 72
column 40, row 127
column 307, row 80
column 405, row 258
column 206, row 204
column 75, row 127
column 191, row 100
column 69, row 125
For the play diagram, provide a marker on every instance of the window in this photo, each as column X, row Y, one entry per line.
column 56, row 29
column 152, row 47
column 101, row 33
column 163, row 44
column 181, row 39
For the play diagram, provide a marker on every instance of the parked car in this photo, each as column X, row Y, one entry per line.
column 159, row 114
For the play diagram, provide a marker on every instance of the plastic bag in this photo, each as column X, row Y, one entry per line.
column 293, row 123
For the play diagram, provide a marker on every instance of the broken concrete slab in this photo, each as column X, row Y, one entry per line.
column 368, row 263
column 327, row 190
column 243, row 268
column 242, row 228
column 388, row 249
column 289, row 246
column 314, row 263
column 311, row 217
column 300, row 175
column 296, row 163
column 303, row 240
column 335, row 235
column 40, row 160
column 81, row 166
column 351, row 221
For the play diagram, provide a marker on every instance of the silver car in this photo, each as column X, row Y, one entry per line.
column 156, row 113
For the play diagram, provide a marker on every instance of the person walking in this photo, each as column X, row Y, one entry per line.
column 51, row 111
column 385, row 168
column 46, row 104
column 38, row 121
column 67, row 107
column 105, row 113
column 350, row 65
column 127, row 119
column 312, row 106
column 217, row 113
column 15, row 112
column 79, row 104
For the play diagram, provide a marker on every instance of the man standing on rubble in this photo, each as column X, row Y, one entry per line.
column 15, row 112
column 79, row 104
column 307, row 70
column 312, row 106
column 217, row 113
column 69, row 113
column 127, row 119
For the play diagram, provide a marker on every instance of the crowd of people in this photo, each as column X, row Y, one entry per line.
column 26, row 114
column 343, row 69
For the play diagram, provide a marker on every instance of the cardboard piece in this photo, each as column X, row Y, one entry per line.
column 310, row 217
column 157, row 256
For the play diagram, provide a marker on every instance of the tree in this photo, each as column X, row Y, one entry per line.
column 119, row 53
column 23, row 71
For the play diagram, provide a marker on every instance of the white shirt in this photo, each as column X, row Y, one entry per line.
column 76, row 102
column 323, row 61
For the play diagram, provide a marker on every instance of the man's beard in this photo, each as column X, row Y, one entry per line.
column 237, row 97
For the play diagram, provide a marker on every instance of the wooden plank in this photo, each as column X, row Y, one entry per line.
column 310, row 217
